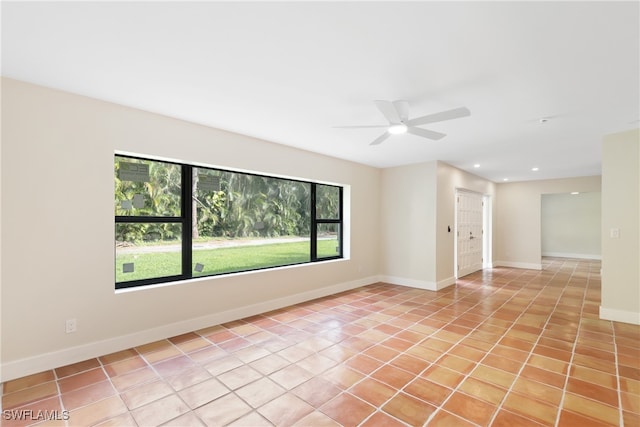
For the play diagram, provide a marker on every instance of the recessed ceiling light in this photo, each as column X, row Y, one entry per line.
column 535, row 169
column 477, row 165
column 397, row 129
column 506, row 179
column 575, row 192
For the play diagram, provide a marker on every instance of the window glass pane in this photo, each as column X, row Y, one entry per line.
column 328, row 240
column 218, row 257
column 246, row 222
column 147, row 250
column 327, row 202
column 239, row 221
column 147, row 188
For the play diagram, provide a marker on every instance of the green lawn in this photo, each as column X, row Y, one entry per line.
column 220, row 260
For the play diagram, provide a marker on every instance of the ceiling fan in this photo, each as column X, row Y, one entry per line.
column 397, row 113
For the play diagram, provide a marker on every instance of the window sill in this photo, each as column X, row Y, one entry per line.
column 226, row 276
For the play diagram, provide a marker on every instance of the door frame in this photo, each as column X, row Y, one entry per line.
column 487, row 225
column 487, row 261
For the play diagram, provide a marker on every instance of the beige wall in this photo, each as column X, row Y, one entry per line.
column 621, row 210
column 517, row 240
column 57, row 253
column 408, row 218
column 572, row 225
column 418, row 204
column 57, row 223
column 451, row 179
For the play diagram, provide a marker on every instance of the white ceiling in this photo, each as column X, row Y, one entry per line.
column 288, row 72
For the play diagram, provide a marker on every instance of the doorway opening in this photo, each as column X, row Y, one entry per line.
column 570, row 225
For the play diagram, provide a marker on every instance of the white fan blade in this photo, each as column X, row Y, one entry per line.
column 441, row 116
column 402, row 107
column 389, row 111
column 425, row 133
column 381, row 138
column 361, row 127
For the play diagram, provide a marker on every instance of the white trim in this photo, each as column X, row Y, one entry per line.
column 487, row 228
column 513, row 264
column 616, row 315
column 411, row 283
column 42, row 362
column 419, row 284
column 221, row 277
column 571, row 255
column 441, row 284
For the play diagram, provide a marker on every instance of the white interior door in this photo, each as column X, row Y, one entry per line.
column 469, row 232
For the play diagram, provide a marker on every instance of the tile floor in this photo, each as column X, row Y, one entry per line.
column 503, row 347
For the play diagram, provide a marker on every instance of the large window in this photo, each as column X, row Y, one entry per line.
column 175, row 221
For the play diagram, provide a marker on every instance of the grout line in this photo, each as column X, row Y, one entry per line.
column 59, row 396
column 570, row 363
column 516, row 376
column 615, row 348
column 615, row 352
column 454, row 389
column 388, row 362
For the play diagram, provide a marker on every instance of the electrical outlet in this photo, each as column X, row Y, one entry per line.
column 614, row 233
column 71, row 325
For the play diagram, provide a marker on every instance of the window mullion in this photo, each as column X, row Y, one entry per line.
column 341, row 222
column 187, row 218
column 314, row 225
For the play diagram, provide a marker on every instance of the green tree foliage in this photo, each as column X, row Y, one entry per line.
column 158, row 196
column 244, row 205
column 327, row 202
column 254, row 206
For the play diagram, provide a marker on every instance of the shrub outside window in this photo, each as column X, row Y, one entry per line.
column 177, row 221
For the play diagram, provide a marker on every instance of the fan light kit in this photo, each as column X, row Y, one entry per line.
column 397, row 129
column 397, row 114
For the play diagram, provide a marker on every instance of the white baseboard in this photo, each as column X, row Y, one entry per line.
column 412, row 283
column 441, row 284
column 42, row 362
column 525, row 265
column 571, row 255
column 620, row 315
column 419, row 284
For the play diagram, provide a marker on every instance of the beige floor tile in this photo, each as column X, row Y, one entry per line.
column 203, row 393
column 160, row 411
column 98, row 412
column 285, row 410
column 260, row 392
column 223, row 410
column 146, row 393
